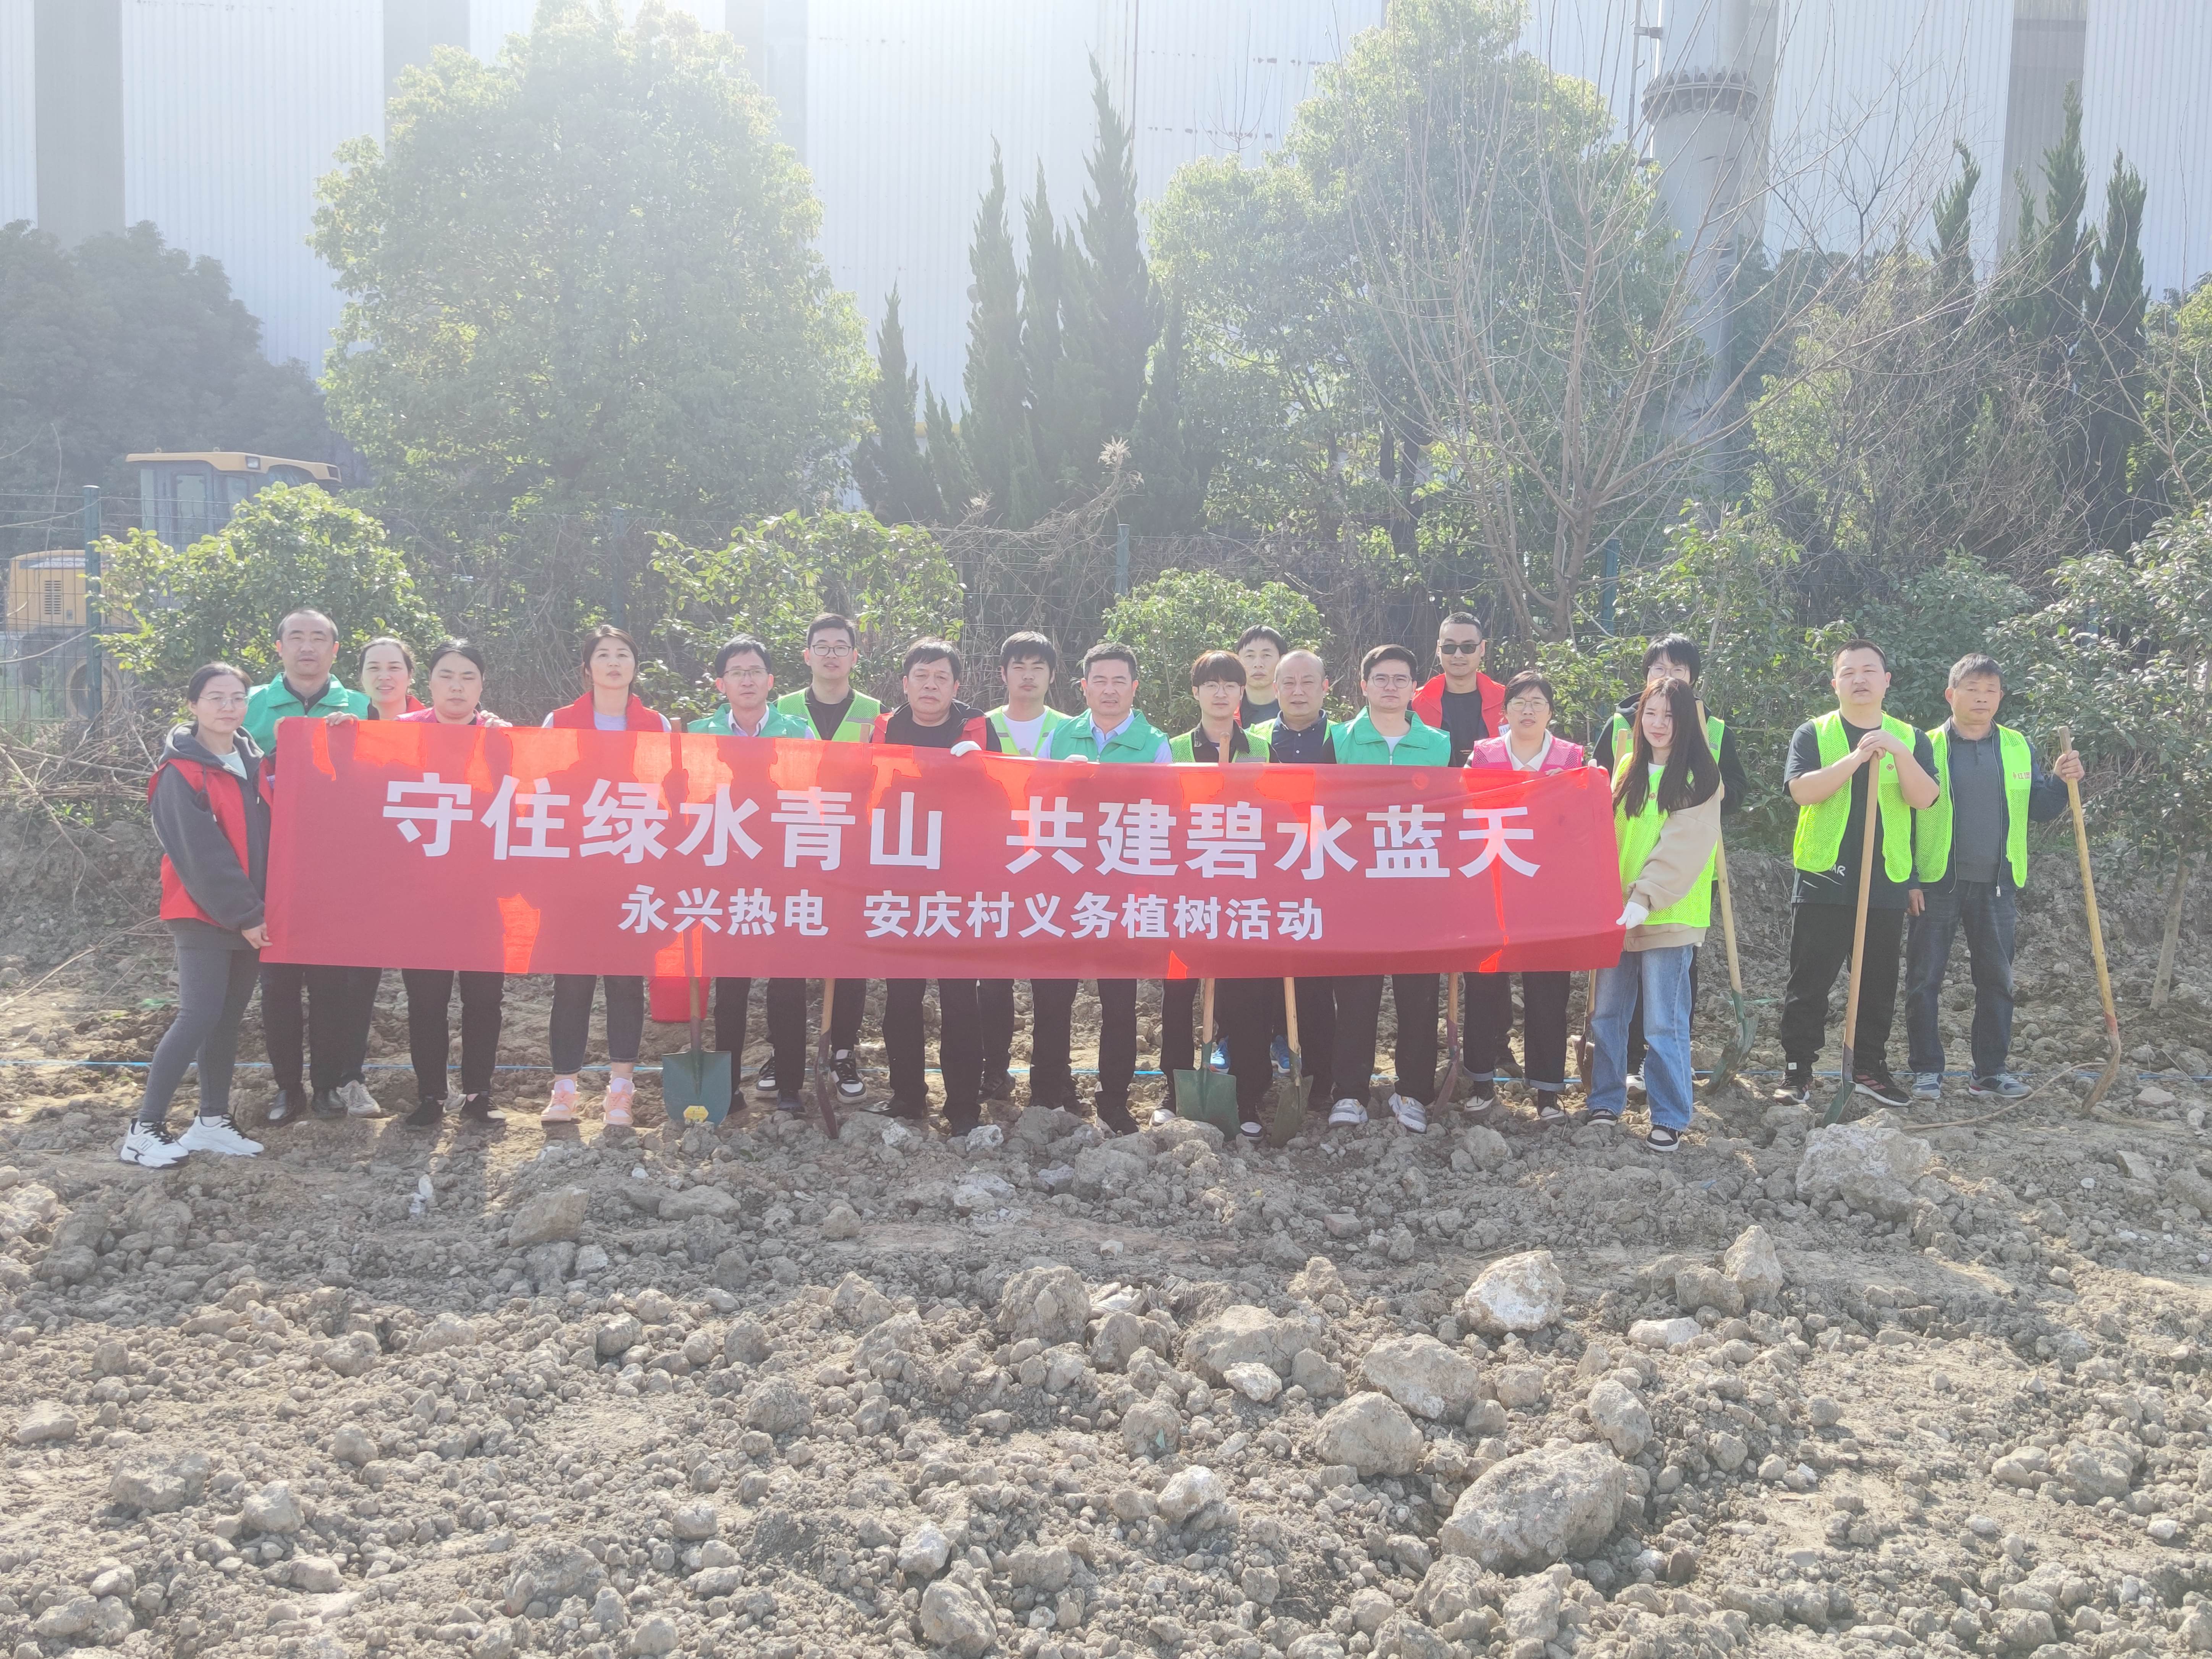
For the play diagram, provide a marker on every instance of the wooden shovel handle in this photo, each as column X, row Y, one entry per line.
column 2089, row 892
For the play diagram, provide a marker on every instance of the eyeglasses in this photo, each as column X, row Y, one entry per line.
column 1458, row 647
column 830, row 648
column 1528, row 706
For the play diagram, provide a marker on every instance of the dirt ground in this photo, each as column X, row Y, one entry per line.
column 754, row 1392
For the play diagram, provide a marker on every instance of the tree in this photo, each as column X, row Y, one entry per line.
column 123, row 345
column 221, row 599
column 1173, row 453
column 995, row 424
column 1168, row 622
column 893, row 475
column 776, row 575
column 2123, row 655
column 2173, row 459
column 584, row 277
column 1112, row 329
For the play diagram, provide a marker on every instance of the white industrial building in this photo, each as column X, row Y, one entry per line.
column 214, row 118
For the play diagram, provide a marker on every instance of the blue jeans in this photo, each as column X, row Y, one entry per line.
column 1987, row 914
column 1663, row 977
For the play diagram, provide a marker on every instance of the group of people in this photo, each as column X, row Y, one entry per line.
column 1952, row 806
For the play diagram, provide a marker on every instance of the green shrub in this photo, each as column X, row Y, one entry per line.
column 1170, row 622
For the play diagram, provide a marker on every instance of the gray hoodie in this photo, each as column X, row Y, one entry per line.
column 199, row 851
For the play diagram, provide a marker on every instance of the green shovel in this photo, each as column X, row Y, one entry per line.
column 695, row 1086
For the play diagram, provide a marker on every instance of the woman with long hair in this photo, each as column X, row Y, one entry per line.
column 213, row 825
column 456, row 683
column 1528, row 744
column 387, row 679
column 1667, row 818
column 607, row 704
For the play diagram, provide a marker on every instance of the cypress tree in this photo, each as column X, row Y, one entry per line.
column 1117, row 328
column 1036, row 474
column 889, row 465
column 1173, row 457
column 2111, row 372
column 995, row 425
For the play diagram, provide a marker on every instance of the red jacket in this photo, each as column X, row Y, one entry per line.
column 1563, row 756
column 577, row 716
column 224, row 795
column 974, row 727
column 1429, row 703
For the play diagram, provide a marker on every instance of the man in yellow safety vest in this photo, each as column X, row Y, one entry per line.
column 1970, row 857
column 1835, row 760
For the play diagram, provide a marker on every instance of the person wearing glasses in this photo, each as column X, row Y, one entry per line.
column 1462, row 701
column 1528, row 745
column 837, row 713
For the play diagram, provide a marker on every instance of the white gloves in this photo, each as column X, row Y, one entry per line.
column 967, row 747
column 1631, row 915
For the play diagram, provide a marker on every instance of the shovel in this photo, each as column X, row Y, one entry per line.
column 1289, row 1114
column 695, row 1086
column 823, row 1057
column 1737, row 1049
column 1205, row 1096
column 2111, row 1070
column 1858, row 944
column 1451, row 1035
column 1583, row 1050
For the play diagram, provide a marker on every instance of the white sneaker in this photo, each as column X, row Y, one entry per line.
column 1346, row 1114
column 359, row 1103
column 1927, row 1086
column 1635, row 1084
column 217, row 1134
column 1411, row 1116
column 152, row 1148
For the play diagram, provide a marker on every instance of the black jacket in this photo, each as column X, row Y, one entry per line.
column 197, row 849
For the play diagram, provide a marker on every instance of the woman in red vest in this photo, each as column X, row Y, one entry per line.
column 608, row 705
column 213, row 826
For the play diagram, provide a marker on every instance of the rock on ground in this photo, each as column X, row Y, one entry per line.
column 1552, row 1504
column 1422, row 1375
column 1050, row 1303
column 1523, row 1293
column 1869, row 1152
column 1371, row 1433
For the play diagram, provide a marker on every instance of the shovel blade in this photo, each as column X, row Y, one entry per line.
column 1738, row 1048
column 695, row 1086
column 1289, row 1115
column 1207, row 1096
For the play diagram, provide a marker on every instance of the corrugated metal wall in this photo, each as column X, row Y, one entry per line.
column 2147, row 91
column 1595, row 41
column 491, row 21
column 231, row 113
column 19, row 145
column 1868, row 99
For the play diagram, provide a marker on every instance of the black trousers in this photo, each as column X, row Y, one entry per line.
column 786, row 1028
column 1054, row 1002
column 960, row 1048
column 1635, row 1045
column 430, row 1037
column 1543, row 1031
column 1240, row 1017
column 1316, row 1045
column 851, row 1002
column 572, row 1019
column 332, row 1030
column 995, row 1003
column 1358, row 1013
column 1819, row 948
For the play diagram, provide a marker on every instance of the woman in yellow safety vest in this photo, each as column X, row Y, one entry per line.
column 1667, row 818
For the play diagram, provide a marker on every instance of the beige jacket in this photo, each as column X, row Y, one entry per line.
column 1685, row 840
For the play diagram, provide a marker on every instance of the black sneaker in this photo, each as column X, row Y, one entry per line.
column 847, row 1067
column 1796, row 1084
column 327, row 1105
column 426, row 1116
column 1876, row 1084
column 477, row 1109
column 912, row 1111
column 790, row 1105
column 997, row 1085
column 1661, row 1139
column 764, row 1082
column 288, row 1108
column 1113, row 1115
column 1548, row 1110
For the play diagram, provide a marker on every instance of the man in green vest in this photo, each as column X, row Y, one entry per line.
column 1387, row 732
column 742, row 675
column 1970, row 857
column 1834, row 758
column 835, row 713
column 1028, row 663
column 341, row 1001
column 1109, row 729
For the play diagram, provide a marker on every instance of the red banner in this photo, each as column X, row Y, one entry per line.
column 412, row 845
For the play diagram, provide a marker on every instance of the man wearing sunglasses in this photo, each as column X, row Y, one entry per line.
column 1463, row 703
